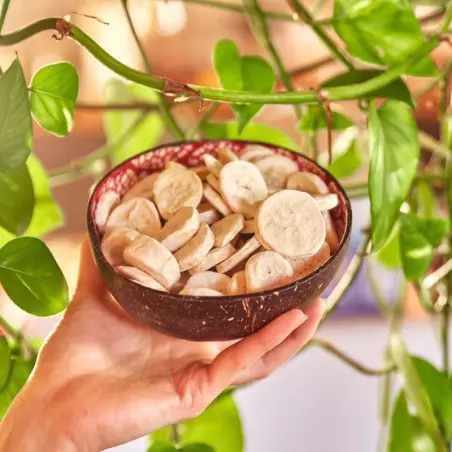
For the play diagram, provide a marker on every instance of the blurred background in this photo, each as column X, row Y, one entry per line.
column 315, row 403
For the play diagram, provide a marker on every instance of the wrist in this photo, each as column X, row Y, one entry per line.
column 34, row 423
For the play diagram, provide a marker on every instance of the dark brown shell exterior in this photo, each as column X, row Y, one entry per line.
column 211, row 318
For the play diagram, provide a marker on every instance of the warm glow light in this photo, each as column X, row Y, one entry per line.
column 171, row 17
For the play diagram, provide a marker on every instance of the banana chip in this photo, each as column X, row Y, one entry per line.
column 201, row 292
column 326, row 202
column 214, row 257
column 242, row 254
column 209, row 280
column 237, row 284
column 139, row 277
column 303, row 266
column 276, row 169
column 227, row 228
column 143, row 188
column 216, row 200
column 114, row 244
column 308, row 182
column 213, row 165
column 225, row 156
column 208, row 214
column 213, row 182
column 267, row 270
column 107, row 202
column 254, row 152
column 176, row 188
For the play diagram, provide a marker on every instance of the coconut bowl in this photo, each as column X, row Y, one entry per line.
column 212, row 318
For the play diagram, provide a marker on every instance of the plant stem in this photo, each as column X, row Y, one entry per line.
column 3, row 12
column 206, row 118
column 165, row 110
column 311, row 66
column 349, row 276
column 239, row 9
column 306, row 16
column 174, row 434
column 350, row 361
column 9, row 329
column 447, row 18
column 216, row 94
column 82, row 166
column 262, row 34
column 133, row 106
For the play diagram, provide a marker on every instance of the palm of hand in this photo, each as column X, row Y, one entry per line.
column 124, row 380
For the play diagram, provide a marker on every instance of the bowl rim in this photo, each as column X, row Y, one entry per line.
column 93, row 236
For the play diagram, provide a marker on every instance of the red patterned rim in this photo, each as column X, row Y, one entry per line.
column 189, row 153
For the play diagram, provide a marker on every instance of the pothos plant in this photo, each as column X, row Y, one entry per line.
column 411, row 204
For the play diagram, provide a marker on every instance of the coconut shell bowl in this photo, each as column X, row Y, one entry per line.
column 199, row 318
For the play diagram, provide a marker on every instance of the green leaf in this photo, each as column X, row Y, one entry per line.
column 249, row 73
column 31, row 277
column 117, row 123
column 389, row 254
column 18, row 375
column 383, row 32
column 17, row 200
column 347, row 157
column 46, row 214
column 254, row 131
column 407, row 433
column 218, row 427
column 396, row 90
column 16, row 130
column 161, row 446
column 197, row 447
column 314, row 118
column 54, row 90
column 5, row 361
column 418, row 238
column 415, row 391
column 439, row 391
column 426, row 199
column 394, row 157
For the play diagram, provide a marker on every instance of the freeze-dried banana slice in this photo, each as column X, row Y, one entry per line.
column 201, row 292
column 208, row 214
column 172, row 164
column 201, row 171
column 139, row 277
column 143, row 188
column 107, row 202
column 331, row 235
column 225, row 155
column 114, row 244
column 214, row 257
column 176, row 188
column 180, row 228
column 242, row 254
column 216, row 200
column 213, row 182
column 275, row 170
column 326, row 202
column 209, row 280
column 237, row 284
column 196, row 249
column 308, row 182
column 303, row 266
column 248, row 227
column 227, row 228
column 243, row 186
column 153, row 258
column 139, row 214
column 213, row 165
column 267, row 270
column 290, row 223
column 254, row 152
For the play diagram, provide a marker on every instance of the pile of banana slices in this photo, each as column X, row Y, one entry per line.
column 240, row 224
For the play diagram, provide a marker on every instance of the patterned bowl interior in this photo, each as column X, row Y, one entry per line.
column 123, row 177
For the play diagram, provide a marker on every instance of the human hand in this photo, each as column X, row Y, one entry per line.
column 103, row 379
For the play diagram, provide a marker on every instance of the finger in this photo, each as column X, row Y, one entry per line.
column 288, row 348
column 231, row 362
column 90, row 281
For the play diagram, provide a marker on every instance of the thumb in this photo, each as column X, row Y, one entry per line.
column 90, row 281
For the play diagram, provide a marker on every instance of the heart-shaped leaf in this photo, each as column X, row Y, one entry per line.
column 161, row 446
column 426, row 198
column 418, row 238
column 46, row 214
column 5, row 361
column 197, row 447
column 16, row 131
column 346, row 155
column 394, row 157
column 254, row 132
column 248, row 73
column 389, row 254
column 396, row 90
column 315, row 118
column 31, row 277
column 219, row 427
column 118, row 123
column 16, row 200
column 54, row 90
column 383, row 32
